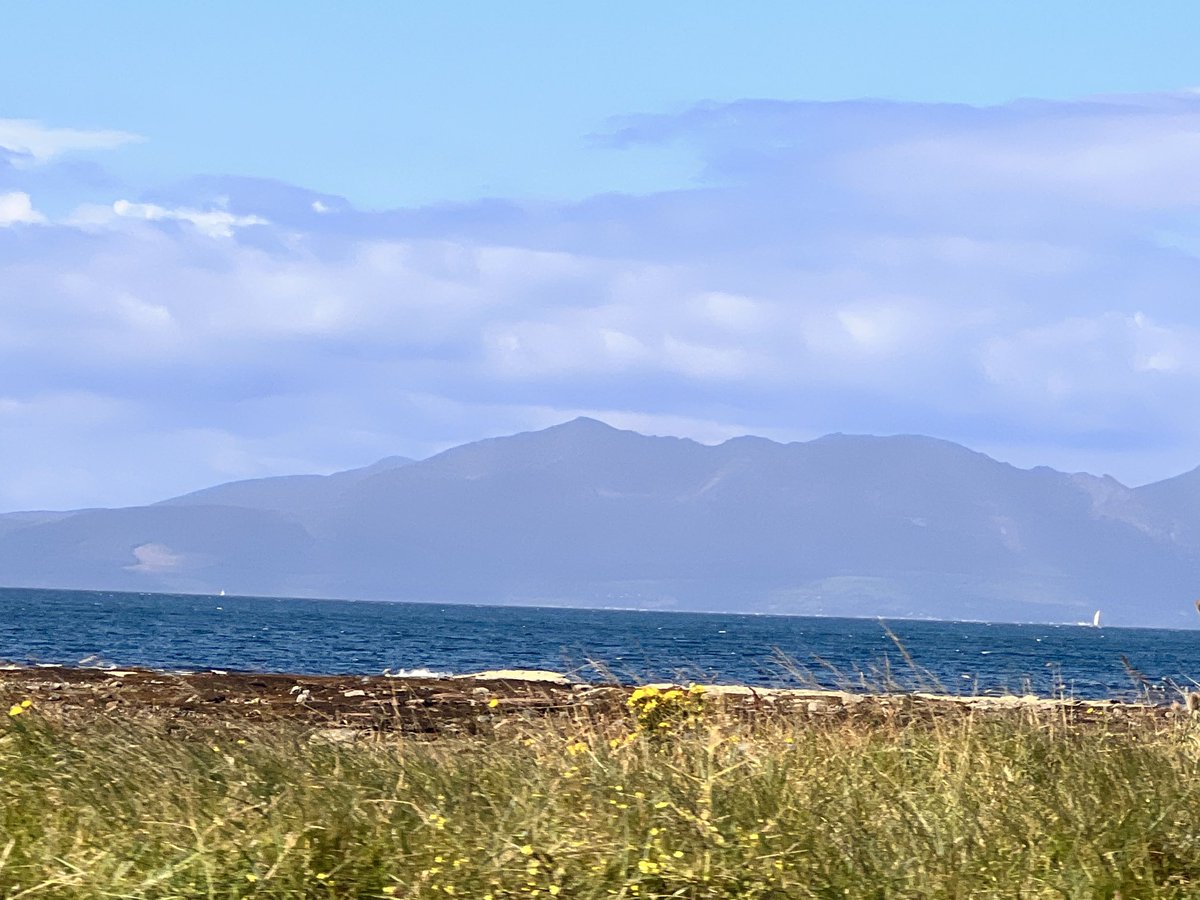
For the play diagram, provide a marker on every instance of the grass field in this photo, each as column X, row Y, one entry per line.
column 674, row 800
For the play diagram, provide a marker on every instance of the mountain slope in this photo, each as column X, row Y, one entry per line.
column 295, row 494
column 1178, row 500
column 583, row 513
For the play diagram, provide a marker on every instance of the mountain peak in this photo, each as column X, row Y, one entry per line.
column 583, row 423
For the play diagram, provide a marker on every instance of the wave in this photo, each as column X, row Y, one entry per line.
column 415, row 673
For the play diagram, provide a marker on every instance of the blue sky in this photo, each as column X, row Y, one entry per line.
column 247, row 239
column 391, row 104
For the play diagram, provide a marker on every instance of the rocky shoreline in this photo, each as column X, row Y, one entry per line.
column 476, row 704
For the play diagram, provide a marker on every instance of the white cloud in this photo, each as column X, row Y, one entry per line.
column 39, row 143
column 878, row 327
column 705, row 362
column 1122, row 164
column 1111, row 373
column 738, row 314
column 212, row 222
column 16, row 207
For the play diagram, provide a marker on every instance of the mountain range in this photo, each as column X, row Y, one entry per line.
column 583, row 514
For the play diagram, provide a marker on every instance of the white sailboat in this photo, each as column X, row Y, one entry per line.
column 1096, row 619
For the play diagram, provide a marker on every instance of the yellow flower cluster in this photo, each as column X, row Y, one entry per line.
column 18, row 708
column 660, row 711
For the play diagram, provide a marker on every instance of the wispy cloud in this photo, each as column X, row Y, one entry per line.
column 212, row 222
column 30, row 141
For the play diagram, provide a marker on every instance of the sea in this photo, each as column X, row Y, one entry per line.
column 196, row 632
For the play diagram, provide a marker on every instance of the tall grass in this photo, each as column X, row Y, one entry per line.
column 954, row 807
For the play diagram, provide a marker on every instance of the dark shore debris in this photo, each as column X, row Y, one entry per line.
column 354, row 704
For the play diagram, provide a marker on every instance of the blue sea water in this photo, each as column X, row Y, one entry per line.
column 336, row 636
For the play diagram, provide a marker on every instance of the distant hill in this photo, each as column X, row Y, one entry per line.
column 585, row 514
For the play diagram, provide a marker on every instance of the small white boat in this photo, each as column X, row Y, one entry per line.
column 1096, row 619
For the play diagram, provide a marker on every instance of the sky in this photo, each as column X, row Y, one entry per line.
column 240, row 240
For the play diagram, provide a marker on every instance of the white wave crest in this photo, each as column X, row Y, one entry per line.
column 415, row 673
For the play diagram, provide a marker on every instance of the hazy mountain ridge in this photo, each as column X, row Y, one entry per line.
column 295, row 494
column 585, row 514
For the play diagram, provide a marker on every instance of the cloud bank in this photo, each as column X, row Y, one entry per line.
column 1020, row 278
